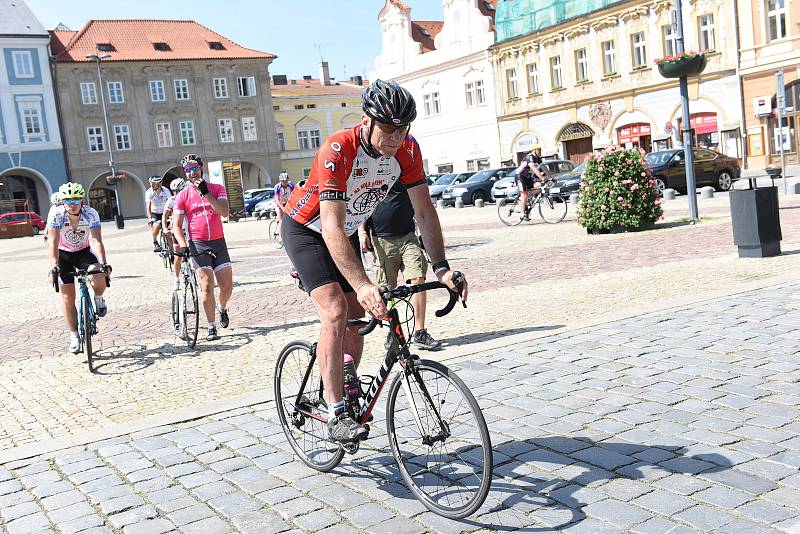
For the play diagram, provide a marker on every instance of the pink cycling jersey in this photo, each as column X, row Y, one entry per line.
column 205, row 224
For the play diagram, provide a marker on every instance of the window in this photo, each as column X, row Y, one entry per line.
column 432, row 104
column 299, row 106
column 23, row 63
column 181, row 89
column 581, row 65
column 249, row 129
column 669, row 40
column 511, row 83
column 308, row 139
column 469, row 91
column 105, row 47
column 220, row 88
column 225, row 127
column 311, row 106
column 281, row 142
column 88, row 93
column 157, row 91
column 247, row 86
column 533, row 79
column 609, row 58
column 314, row 138
column 344, row 104
column 115, row 94
column 187, row 132
column 555, row 72
column 95, row 135
column 705, row 23
column 163, row 134
column 776, row 19
column 215, row 45
column 122, row 136
column 638, row 50
column 161, row 47
column 302, row 140
column 306, row 172
column 31, row 114
column 480, row 94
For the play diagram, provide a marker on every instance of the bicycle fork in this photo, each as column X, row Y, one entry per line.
column 444, row 429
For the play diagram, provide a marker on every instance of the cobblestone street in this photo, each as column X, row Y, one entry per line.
column 685, row 421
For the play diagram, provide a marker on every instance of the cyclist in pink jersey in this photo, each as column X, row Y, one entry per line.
column 202, row 205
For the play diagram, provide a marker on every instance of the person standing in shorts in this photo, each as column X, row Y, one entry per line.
column 390, row 233
column 203, row 205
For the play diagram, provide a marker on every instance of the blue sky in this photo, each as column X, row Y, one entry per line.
column 346, row 30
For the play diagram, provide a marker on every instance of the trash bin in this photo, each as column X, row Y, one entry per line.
column 756, row 222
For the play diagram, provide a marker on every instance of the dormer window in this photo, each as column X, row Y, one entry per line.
column 424, row 32
column 215, row 45
column 161, row 47
column 105, row 47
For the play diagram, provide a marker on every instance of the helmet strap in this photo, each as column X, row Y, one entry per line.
column 368, row 148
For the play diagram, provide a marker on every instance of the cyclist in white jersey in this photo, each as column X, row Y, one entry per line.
column 155, row 200
column 70, row 229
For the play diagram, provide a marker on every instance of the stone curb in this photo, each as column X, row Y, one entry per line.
column 249, row 399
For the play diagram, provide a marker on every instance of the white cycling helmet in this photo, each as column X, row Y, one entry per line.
column 177, row 184
column 283, row 176
column 55, row 200
column 155, row 179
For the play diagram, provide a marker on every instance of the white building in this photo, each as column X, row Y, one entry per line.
column 446, row 66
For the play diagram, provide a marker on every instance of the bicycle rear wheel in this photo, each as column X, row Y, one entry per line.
column 507, row 211
column 191, row 314
column 175, row 314
column 451, row 476
column 552, row 209
column 86, row 319
column 274, row 234
column 307, row 434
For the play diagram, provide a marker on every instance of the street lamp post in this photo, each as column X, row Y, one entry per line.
column 686, row 126
column 120, row 220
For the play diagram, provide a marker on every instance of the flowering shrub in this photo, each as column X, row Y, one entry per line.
column 618, row 190
column 680, row 55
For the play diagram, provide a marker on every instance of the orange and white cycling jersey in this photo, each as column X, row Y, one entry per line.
column 343, row 170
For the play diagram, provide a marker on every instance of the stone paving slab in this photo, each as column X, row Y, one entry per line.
column 659, row 473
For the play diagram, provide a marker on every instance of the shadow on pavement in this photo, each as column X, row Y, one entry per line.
column 485, row 336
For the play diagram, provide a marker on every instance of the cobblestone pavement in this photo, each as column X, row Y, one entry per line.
column 527, row 279
column 686, row 421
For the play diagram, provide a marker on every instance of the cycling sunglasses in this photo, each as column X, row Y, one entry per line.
column 73, row 201
column 193, row 168
column 391, row 129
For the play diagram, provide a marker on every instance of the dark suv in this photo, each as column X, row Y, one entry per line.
column 478, row 186
column 710, row 168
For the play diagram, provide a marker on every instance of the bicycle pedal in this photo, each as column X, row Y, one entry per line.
column 351, row 447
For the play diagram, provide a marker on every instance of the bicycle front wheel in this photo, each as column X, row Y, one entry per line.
column 86, row 319
column 191, row 314
column 304, row 422
column 507, row 211
column 552, row 209
column 275, row 234
column 175, row 314
column 439, row 439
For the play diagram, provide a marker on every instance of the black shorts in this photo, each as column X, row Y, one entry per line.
column 220, row 260
column 310, row 257
column 525, row 182
column 69, row 261
column 156, row 217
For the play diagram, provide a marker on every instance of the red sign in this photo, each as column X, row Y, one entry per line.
column 632, row 132
column 703, row 123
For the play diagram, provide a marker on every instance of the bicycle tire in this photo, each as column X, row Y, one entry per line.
column 86, row 319
column 552, row 209
column 307, row 436
column 191, row 314
column 468, row 464
column 507, row 211
column 274, row 234
column 175, row 314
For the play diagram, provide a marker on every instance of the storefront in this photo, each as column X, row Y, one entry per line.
column 791, row 119
column 635, row 136
column 576, row 141
column 705, row 130
column 102, row 199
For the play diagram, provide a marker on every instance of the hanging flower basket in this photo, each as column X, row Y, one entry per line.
column 683, row 64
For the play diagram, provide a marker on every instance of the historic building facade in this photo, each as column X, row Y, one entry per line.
column 576, row 81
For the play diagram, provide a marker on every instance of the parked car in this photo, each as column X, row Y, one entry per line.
column 710, row 168
column 433, row 177
column 446, row 180
column 507, row 187
column 568, row 183
column 250, row 193
column 477, row 186
column 265, row 208
column 250, row 203
column 21, row 217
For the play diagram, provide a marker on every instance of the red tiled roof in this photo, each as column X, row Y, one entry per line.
column 419, row 29
column 400, row 5
column 133, row 40
column 59, row 39
column 313, row 87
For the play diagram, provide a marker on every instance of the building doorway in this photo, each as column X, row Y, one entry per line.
column 102, row 199
column 791, row 120
column 635, row 136
column 21, row 189
column 576, row 140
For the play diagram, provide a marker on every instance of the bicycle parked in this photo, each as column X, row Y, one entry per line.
column 87, row 318
column 552, row 208
column 275, row 233
column 441, row 444
column 185, row 312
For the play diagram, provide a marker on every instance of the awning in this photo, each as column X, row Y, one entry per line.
column 576, row 130
column 702, row 123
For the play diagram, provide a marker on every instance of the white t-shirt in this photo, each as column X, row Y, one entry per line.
column 73, row 240
column 157, row 199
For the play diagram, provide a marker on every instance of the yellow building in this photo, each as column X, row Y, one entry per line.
column 307, row 111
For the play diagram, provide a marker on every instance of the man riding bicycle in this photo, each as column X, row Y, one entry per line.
column 70, row 228
column 202, row 205
column 176, row 186
column 527, row 185
column 155, row 200
column 351, row 174
column 283, row 190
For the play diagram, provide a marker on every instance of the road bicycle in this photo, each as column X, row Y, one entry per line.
column 437, row 433
column 185, row 311
column 87, row 318
column 552, row 208
column 166, row 252
column 275, row 233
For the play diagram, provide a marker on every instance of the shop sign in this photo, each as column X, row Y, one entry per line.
column 762, row 106
column 525, row 142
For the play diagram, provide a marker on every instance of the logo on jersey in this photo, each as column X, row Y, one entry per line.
column 367, row 201
column 360, row 171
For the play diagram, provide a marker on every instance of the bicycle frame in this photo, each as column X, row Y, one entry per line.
column 83, row 291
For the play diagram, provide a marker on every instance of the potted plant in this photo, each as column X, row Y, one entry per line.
column 618, row 192
column 682, row 64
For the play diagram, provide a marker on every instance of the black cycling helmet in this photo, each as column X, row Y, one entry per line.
column 188, row 158
column 389, row 103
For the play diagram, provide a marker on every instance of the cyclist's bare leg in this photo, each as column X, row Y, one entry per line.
column 419, row 302
column 353, row 343
column 225, row 282
column 155, row 229
column 206, row 278
column 97, row 281
column 332, row 309
column 68, row 306
column 523, row 201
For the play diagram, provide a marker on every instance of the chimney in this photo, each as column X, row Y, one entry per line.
column 357, row 80
column 279, row 79
column 324, row 74
column 307, row 77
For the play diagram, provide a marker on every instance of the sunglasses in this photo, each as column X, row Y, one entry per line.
column 193, row 168
column 390, row 129
column 73, row 201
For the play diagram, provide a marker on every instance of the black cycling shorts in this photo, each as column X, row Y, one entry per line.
column 525, row 182
column 220, row 260
column 310, row 257
column 156, row 217
column 69, row 261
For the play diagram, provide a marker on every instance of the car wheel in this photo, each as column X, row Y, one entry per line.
column 724, row 181
column 478, row 195
column 661, row 185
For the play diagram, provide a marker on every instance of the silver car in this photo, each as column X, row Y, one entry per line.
column 507, row 187
column 265, row 208
column 446, row 180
